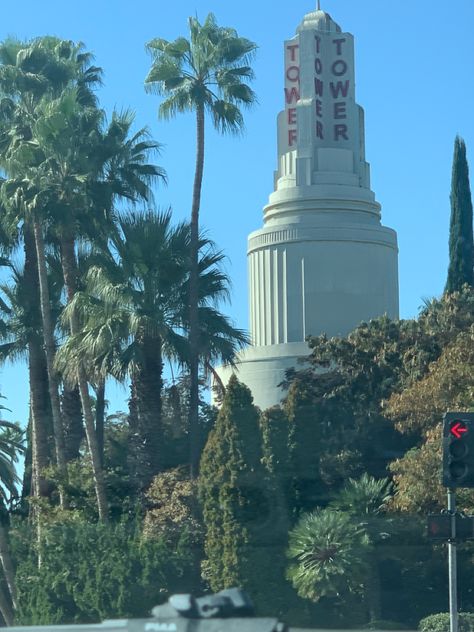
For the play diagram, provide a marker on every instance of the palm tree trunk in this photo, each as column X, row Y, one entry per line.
column 50, row 350
column 194, row 300
column 99, row 481
column 7, row 564
column 148, row 386
column 27, row 485
column 73, row 421
column 38, row 426
column 5, row 608
column 39, row 400
column 133, row 455
column 69, row 265
column 100, row 417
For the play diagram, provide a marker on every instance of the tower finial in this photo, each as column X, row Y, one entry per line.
column 319, row 5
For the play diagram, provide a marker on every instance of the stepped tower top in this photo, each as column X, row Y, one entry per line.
column 319, row 20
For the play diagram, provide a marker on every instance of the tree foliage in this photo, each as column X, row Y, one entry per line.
column 461, row 242
column 230, row 488
column 328, row 555
column 90, row 571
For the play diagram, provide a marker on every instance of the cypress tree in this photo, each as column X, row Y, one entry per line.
column 242, row 516
column 461, row 248
column 230, row 474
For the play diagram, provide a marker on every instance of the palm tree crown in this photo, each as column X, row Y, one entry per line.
column 207, row 71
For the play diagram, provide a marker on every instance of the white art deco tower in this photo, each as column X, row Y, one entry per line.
column 322, row 262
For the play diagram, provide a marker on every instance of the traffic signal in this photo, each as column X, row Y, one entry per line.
column 458, row 450
column 439, row 526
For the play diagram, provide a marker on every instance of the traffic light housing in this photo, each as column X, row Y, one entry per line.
column 439, row 527
column 458, row 450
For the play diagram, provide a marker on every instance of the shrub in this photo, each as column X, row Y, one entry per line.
column 440, row 622
column 94, row 571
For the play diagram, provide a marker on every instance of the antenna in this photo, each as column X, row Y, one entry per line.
column 319, row 5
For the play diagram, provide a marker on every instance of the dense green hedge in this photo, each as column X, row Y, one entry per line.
column 90, row 572
column 440, row 622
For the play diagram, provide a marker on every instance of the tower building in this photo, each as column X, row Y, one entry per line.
column 322, row 262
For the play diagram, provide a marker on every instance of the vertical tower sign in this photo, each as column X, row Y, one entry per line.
column 292, row 90
column 333, row 84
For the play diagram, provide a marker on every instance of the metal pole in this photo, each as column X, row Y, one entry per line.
column 453, row 588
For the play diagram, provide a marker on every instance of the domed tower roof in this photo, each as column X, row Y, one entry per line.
column 319, row 20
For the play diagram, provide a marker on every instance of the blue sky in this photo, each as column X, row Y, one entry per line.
column 414, row 80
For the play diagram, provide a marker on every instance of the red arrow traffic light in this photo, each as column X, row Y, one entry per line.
column 458, row 450
column 458, row 428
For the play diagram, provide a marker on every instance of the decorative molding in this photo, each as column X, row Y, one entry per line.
column 380, row 236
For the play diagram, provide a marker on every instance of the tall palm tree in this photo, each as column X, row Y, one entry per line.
column 207, row 73
column 68, row 136
column 78, row 171
column 20, row 335
column 134, row 314
column 22, row 195
column 32, row 73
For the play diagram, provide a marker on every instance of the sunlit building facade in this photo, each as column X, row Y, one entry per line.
column 322, row 262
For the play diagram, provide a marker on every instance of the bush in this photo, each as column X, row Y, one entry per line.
column 94, row 571
column 440, row 622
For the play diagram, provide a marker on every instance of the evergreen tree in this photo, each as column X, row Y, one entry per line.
column 276, row 434
column 238, row 504
column 230, row 467
column 461, row 247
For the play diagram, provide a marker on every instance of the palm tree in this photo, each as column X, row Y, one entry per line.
column 20, row 333
column 328, row 554
column 31, row 74
column 122, row 172
column 206, row 74
column 78, row 171
column 130, row 314
column 365, row 500
column 134, row 314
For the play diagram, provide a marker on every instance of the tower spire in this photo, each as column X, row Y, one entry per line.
column 319, row 5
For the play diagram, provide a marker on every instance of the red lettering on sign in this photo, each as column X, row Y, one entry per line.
column 319, row 130
column 339, row 88
column 340, row 110
column 292, row 95
column 339, row 68
column 292, row 116
column 292, row 137
column 339, row 43
column 319, row 108
column 293, row 73
column 318, row 66
column 292, row 48
column 340, row 131
column 318, row 87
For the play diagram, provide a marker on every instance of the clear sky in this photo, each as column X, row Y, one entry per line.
column 414, row 80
